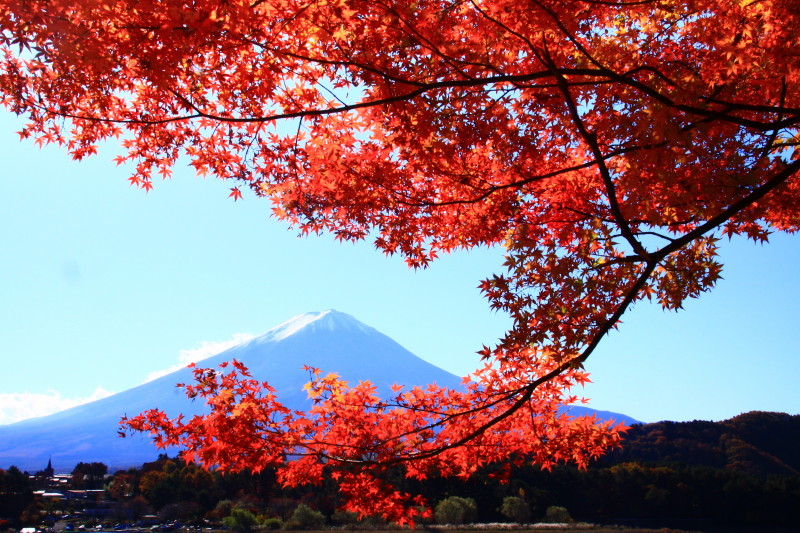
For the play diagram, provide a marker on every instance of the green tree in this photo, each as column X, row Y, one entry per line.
column 456, row 510
column 89, row 475
column 516, row 509
column 13, row 481
column 273, row 523
column 557, row 514
column 16, row 493
column 223, row 509
column 304, row 517
column 240, row 520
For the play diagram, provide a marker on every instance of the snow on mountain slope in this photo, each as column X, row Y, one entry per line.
column 329, row 340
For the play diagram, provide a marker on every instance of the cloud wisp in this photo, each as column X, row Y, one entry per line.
column 16, row 406
column 205, row 350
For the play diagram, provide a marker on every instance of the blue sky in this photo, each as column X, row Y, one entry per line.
column 101, row 285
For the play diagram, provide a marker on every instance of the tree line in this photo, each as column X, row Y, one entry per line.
column 693, row 475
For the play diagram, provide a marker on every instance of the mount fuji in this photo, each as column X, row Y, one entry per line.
column 329, row 340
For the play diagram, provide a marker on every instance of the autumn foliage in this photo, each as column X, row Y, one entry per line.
column 606, row 145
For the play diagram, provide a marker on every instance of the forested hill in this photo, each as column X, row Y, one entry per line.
column 755, row 443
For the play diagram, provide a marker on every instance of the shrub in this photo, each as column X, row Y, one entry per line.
column 516, row 509
column 304, row 517
column 222, row 509
column 456, row 510
column 273, row 523
column 240, row 520
column 557, row 514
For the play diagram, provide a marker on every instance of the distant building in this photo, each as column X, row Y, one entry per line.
column 48, row 472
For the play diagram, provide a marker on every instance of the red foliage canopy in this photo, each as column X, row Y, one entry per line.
column 606, row 144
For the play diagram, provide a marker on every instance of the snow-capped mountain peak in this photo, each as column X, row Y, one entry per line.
column 329, row 319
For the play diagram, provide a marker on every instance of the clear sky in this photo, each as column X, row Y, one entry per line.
column 102, row 285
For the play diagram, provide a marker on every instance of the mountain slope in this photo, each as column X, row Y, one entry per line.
column 755, row 443
column 330, row 340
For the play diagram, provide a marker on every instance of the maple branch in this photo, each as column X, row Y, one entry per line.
column 541, row 177
column 737, row 207
column 722, row 116
column 428, row 44
column 655, row 234
column 613, row 319
column 505, row 27
column 620, row 3
column 590, row 138
column 679, row 242
column 610, row 322
column 625, row 79
column 769, row 143
column 527, row 393
column 422, row 88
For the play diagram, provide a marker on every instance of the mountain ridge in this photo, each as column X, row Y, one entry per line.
column 758, row 443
